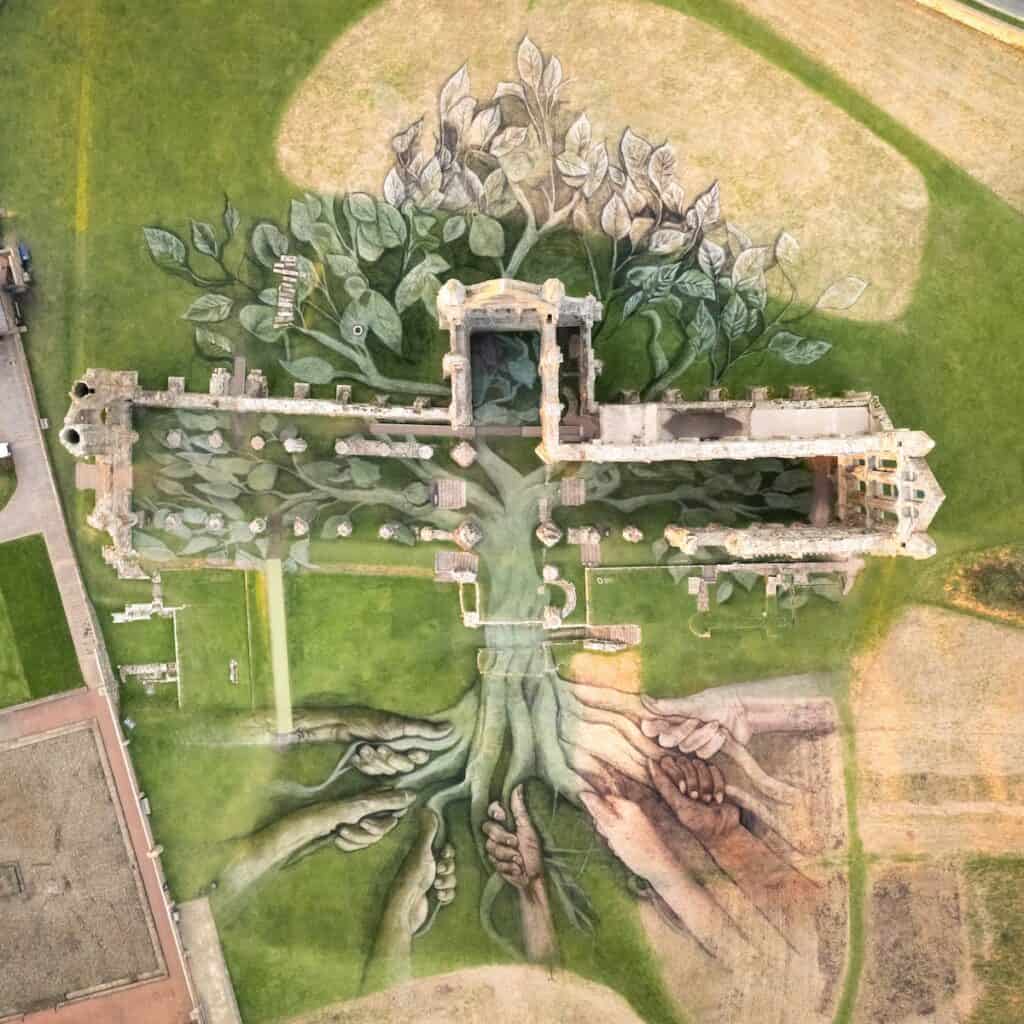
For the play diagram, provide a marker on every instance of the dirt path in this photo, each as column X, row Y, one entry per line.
column 957, row 88
column 485, row 995
column 785, row 156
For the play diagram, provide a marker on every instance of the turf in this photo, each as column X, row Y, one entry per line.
column 8, row 483
column 41, row 653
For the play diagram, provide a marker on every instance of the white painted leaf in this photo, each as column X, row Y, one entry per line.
column 454, row 227
column 552, row 77
column 666, row 241
column 635, row 199
column 577, row 138
column 572, row 166
column 639, row 228
column 597, row 168
column 661, row 167
column 615, row 219
column 750, row 265
column 164, row 246
column 506, row 141
column 708, row 207
column 787, row 248
column 404, row 140
column 636, row 152
column 454, row 90
column 510, row 89
column 710, row 257
column 486, row 237
column 842, row 294
column 394, row 188
column 530, row 63
column 204, row 239
column 484, row 126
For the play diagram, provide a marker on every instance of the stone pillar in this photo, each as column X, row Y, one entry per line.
column 458, row 367
column 588, row 369
column 550, row 406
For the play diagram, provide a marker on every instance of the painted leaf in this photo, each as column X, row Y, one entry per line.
column 792, row 480
column 530, row 63
column 268, row 296
column 636, row 152
column 738, row 239
column 355, row 285
column 167, row 486
column 551, row 80
column 151, row 548
column 723, row 590
column 674, row 196
column 455, row 89
column 197, row 545
column 750, row 265
column 460, row 117
column 510, row 89
column 363, row 207
column 842, row 294
column 390, row 225
column 508, row 140
column 696, row 284
column 486, row 236
column 203, row 238
column 666, row 241
column 636, row 201
column 498, row 197
column 262, row 476
column 394, row 188
column 165, row 247
column 734, row 317
column 572, row 166
column 342, row 265
column 219, row 490
column 212, row 344
column 661, row 167
column 230, row 218
column 797, row 350
column 747, row 580
column 707, row 206
column 615, row 219
column 484, row 127
column 259, row 321
column 210, row 309
column 311, row 369
column 597, row 168
column 178, row 470
column 702, row 329
column 268, row 243
column 577, row 138
column 404, row 140
column 639, row 229
column 454, row 227
column 787, row 248
column 382, row 319
column 300, row 222
column 656, row 354
column 711, row 258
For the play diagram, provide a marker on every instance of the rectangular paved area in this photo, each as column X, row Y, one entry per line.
column 72, row 910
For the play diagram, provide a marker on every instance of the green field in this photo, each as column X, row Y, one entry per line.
column 37, row 657
column 149, row 114
column 8, row 483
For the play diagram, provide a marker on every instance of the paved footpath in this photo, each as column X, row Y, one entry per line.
column 35, row 508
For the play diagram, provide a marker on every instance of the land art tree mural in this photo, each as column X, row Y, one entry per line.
column 476, row 198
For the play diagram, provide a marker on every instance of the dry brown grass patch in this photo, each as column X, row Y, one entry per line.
column 785, row 156
column 615, row 671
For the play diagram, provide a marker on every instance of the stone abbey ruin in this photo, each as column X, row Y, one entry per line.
column 873, row 490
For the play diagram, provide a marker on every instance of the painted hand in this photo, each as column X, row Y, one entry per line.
column 700, row 724
column 695, row 791
column 514, row 846
column 423, row 872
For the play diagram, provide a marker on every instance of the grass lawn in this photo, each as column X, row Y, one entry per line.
column 37, row 657
column 8, row 483
column 383, row 641
column 147, row 115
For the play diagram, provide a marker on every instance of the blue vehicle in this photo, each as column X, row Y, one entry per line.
column 25, row 255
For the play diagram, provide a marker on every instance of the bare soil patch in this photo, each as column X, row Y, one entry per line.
column 939, row 710
column 72, row 916
column 483, row 995
column 917, row 966
column 992, row 584
column 614, row 671
column 785, row 156
column 955, row 87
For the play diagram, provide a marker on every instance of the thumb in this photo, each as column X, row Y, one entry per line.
column 520, row 814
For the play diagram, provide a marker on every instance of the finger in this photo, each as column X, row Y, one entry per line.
column 356, row 834
column 445, row 897
column 698, row 737
column 704, row 781
column 673, row 768
column 713, row 745
column 379, row 825
column 444, row 883
column 396, row 727
column 445, row 868
column 519, row 811
column 501, row 835
column 599, row 809
column 512, row 873
column 670, row 707
column 448, row 852
column 346, row 846
column 690, row 783
column 718, row 779
column 497, row 812
column 499, row 852
column 667, row 787
column 652, row 727
column 400, row 762
column 678, row 730
column 418, row 757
